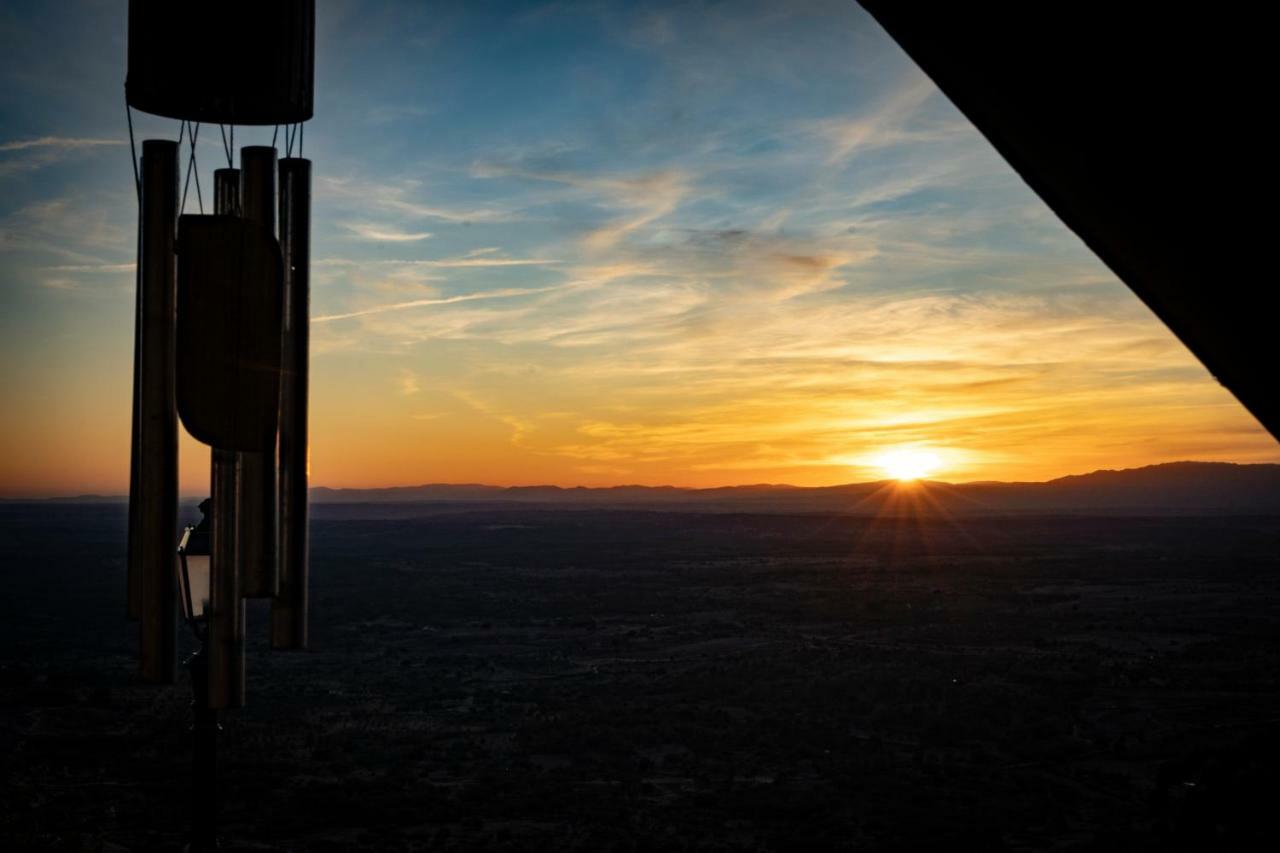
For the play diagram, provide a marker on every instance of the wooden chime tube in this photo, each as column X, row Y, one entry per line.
column 153, row 497
column 289, row 607
column 226, row 619
column 258, row 529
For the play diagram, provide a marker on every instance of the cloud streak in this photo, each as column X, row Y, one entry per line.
column 643, row 198
column 424, row 303
column 399, row 199
column 886, row 123
column 467, row 262
column 58, row 142
column 384, row 234
column 29, row 155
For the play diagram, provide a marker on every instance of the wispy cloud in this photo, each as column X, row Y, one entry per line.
column 885, row 123
column 408, row 383
column 644, row 197
column 384, row 234
column 57, row 142
column 27, row 155
column 400, row 198
column 423, row 303
column 94, row 268
column 388, row 113
column 59, row 284
column 79, row 230
column 439, row 263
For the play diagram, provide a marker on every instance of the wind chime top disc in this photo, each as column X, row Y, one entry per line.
column 229, row 62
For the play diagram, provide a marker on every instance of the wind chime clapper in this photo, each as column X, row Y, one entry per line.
column 222, row 326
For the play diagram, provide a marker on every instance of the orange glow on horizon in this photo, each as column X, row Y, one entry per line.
column 360, row 441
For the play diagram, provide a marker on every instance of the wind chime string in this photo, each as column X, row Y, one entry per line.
column 292, row 137
column 191, row 167
column 133, row 150
column 182, row 205
column 191, row 163
column 182, row 132
column 226, row 148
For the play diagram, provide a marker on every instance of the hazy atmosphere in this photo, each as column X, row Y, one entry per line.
column 598, row 243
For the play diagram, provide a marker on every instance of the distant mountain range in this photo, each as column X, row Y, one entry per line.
column 1176, row 487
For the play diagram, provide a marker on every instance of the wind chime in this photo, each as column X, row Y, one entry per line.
column 222, row 329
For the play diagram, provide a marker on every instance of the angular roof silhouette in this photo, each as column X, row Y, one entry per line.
column 1141, row 127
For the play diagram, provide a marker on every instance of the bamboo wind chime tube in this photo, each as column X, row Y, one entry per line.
column 258, row 531
column 289, row 607
column 227, row 617
column 153, row 500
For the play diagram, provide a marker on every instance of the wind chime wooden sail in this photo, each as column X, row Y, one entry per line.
column 222, row 324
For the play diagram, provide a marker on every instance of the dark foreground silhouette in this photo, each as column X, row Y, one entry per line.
column 532, row 678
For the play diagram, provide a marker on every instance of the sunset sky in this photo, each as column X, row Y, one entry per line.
column 598, row 243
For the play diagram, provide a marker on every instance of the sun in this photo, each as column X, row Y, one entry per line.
column 907, row 464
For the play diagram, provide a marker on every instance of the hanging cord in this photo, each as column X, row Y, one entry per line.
column 302, row 136
column 133, row 150
column 274, row 134
column 182, row 205
column 199, row 195
column 191, row 167
column 226, row 147
column 182, row 131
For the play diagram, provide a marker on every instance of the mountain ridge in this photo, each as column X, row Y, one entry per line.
column 1172, row 486
column 1180, row 487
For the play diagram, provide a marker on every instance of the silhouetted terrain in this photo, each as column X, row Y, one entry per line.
column 1174, row 487
column 531, row 678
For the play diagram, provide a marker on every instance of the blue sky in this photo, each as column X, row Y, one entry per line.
column 603, row 242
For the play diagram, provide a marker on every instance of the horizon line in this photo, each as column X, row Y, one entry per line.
column 922, row 480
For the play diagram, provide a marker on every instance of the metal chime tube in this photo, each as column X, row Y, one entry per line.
column 153, row 511
column 259, row 539
column 225, row 668
column 133, row 548
column 289, row 607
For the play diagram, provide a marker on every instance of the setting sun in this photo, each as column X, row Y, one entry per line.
column 908, row 464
